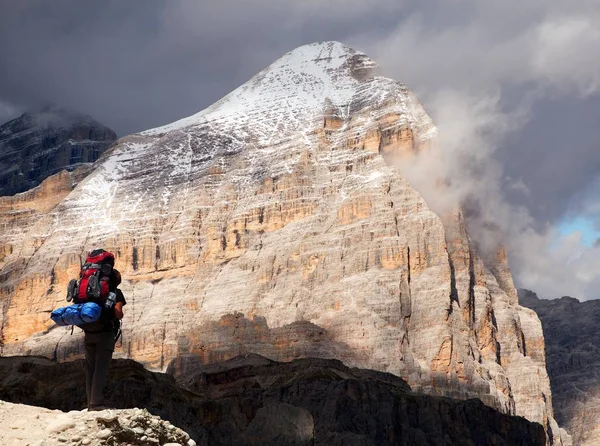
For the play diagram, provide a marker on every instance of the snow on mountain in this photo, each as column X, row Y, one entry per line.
column 290, row 94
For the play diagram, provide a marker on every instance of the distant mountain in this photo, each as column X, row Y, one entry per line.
column 573, row 361
column 37, row 145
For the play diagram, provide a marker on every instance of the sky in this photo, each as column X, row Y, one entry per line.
column 513, row 86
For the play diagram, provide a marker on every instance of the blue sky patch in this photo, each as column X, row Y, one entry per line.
column 586, row 226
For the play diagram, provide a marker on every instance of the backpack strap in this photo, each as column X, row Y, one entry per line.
column 118, row 335
column 91, row 266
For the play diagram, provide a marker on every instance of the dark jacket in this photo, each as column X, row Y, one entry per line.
column 108, row 320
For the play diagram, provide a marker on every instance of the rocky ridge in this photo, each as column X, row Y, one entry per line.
column 573, row 361
column 272, row 223
column 248, row 400
column 37, row 145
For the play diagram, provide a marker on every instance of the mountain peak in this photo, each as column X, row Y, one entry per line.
column 301, row 82
column 328, row 56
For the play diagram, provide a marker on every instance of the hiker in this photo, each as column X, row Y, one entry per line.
column 100, row 339
column 97, row 309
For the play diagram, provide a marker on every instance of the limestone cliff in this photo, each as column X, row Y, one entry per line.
column 37, row 145
column 271, row 223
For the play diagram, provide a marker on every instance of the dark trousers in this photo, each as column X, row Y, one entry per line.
column 99, row 348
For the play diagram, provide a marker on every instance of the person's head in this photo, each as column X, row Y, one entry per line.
column 115, row 278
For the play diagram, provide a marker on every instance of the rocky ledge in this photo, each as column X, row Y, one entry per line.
column 252, row 400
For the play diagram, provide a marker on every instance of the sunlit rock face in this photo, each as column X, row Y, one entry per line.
column 272, row 223
column 37, row 145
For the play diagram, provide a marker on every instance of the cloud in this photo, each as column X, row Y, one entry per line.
column 7, row 111
column 565, row 53
column 567, row 268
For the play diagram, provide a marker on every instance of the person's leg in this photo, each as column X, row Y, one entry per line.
column 90, row 364
column 104, row 351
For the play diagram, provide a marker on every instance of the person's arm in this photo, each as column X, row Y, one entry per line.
column 119, row 310
column 119, row 305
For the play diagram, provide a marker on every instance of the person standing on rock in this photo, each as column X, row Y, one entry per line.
column 100, row 339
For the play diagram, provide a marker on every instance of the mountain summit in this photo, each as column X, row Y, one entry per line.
column 294, row 93
column 271, row 223
column 37, row 145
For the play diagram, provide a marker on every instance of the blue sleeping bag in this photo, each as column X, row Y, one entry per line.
column 77, row 314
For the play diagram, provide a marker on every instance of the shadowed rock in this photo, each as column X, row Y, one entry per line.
column 573, row 359
column 252, row 400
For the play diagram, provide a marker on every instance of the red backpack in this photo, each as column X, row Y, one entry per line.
column 94, row 279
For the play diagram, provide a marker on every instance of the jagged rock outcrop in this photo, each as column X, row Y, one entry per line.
column 272, row 223
column 251, row 400
column 38, row 145
column 573, row 361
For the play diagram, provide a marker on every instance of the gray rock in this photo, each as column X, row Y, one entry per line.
column 104, row 434
column 573, row 360
column 281, row 424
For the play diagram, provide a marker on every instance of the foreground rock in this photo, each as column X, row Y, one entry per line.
column 274, row 223
column 38, row 145
column 254, row 401
column 571, row 330
column 41, row 382
column 26, row 425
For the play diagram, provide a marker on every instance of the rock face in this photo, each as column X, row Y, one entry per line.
column 272, row 223
column 573, row 355
column 38, row 145
column 255, row 401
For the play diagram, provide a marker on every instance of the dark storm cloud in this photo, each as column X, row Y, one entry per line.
column 512, row 85
column 138, row 65
column 556, row 155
